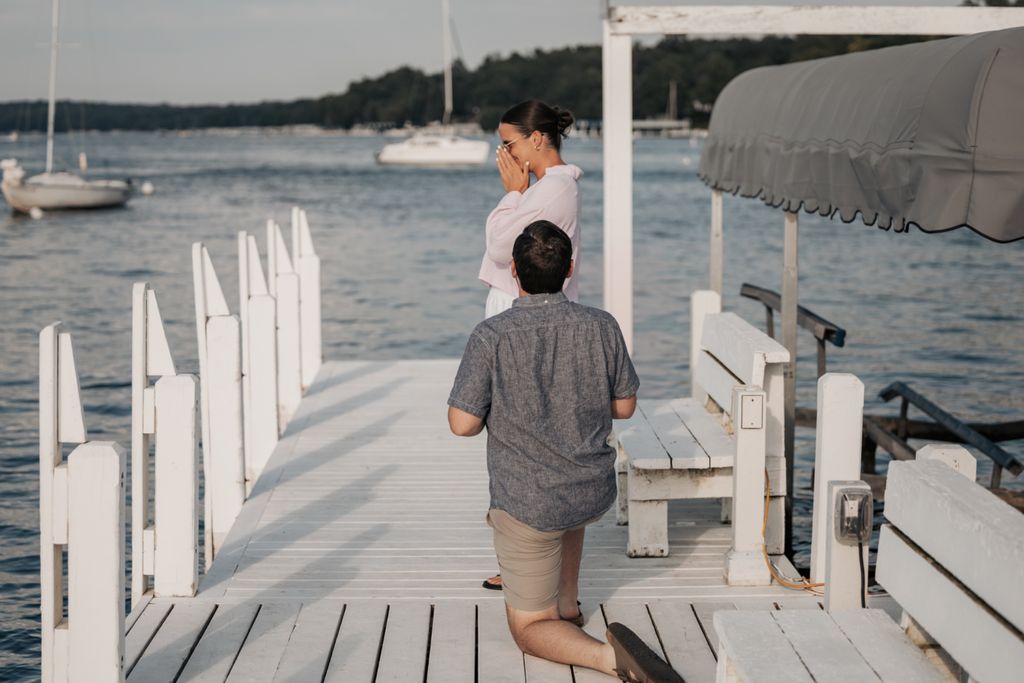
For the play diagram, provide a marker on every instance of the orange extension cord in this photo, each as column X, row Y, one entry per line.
column 803, row 584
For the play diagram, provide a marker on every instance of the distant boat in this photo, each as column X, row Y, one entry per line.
column 428, row 148
column 51, row 191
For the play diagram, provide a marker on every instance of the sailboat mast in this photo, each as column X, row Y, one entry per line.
column 445, row 29
column 53, row 86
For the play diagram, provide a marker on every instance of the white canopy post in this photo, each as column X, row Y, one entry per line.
column 617, row 133
column 151, row 357
column 716, row 255
column 790, row 301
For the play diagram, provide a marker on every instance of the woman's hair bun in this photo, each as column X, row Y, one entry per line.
column 565, row 120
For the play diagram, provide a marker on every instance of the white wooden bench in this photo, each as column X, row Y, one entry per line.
column 687, row 447
column 951, row 555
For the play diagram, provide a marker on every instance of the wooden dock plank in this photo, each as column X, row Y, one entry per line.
column 354, row 659
column 634, row 615
column 499, row 659
column 756, row 649
column 452, row 643
column 261, row 653
column 595, row 627
column 143, row 630
column 683, row 639
column 705, row 612
column 305, row 657
column 214, row 655
column 403, row 655
column 172, row 644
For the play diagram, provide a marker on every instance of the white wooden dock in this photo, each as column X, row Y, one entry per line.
column 360, row 553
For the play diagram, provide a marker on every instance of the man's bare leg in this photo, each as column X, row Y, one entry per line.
column 568, row 579
column 544, row 634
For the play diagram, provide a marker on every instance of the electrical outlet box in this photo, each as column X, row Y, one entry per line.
column 853, row 515
column 751, row 411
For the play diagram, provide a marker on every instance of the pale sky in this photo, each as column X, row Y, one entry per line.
column 217, row 51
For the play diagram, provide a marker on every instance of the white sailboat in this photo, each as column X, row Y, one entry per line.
column 441, row 148
column 61, row 190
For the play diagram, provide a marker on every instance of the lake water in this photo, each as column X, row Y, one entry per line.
column 400, row 251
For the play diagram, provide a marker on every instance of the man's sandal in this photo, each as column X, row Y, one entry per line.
column 635, row 662
column 493, row 583
column 578, row 619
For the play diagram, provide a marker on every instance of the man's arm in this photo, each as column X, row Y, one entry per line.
column 466, row 424
column 622, row 408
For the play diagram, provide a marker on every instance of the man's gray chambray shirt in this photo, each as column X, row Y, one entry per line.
column 542, row 375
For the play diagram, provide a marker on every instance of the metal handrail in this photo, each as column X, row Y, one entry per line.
column 823, row 330
column 1000, row 458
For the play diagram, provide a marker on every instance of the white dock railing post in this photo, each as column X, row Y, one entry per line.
column 60, row 422
column 308, row 266
column 176, row 541
column 284, row 285
column 259, row 360
column 745, row 565
column 96, row 562
column 218, row 335
column 836, row 453
column 151, row 357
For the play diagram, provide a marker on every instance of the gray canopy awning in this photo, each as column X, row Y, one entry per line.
column 929, row 134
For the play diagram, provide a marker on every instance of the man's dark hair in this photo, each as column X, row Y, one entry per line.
column 543, row 255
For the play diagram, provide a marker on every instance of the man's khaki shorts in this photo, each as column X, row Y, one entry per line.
column 530, row 561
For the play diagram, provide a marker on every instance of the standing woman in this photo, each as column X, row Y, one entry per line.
column 531, row 140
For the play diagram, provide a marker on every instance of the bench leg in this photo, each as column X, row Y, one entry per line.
column 648, row 528
column 726, row 504
column 622, row 499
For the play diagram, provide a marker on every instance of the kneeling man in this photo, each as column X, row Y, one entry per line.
column 546, row 377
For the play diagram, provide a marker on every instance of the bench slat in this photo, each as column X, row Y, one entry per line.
column 757, row 649
column 825, row 651
column 707, row 429
column 637, row 438
column 677, row 440
column 741, row 347
column 985, row 645
column 885, row 647
column 715, row 379
column 974, row 535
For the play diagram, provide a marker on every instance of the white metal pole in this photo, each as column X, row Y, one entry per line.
column 617, row 133
column 790, row 300
column 716, row 257
column 445, row 32
column 52, row 108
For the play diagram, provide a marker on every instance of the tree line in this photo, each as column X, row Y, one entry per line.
column 569, row 77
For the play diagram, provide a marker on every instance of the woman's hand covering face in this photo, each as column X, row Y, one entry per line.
column 514, row 177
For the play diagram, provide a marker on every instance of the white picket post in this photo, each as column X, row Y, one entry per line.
column 225, row 487
column 151, row 357
column 60, row 422
column 243, row 316
column 285, row 288
column 308, row 264
column 210, row 303
column 259, row 382
column 176, row 551
column 96, row 499
column 744, row 565
column 836, row 453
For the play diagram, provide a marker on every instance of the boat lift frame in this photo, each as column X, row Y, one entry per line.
column 621, row 24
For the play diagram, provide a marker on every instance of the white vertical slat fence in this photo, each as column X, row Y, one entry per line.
column 308, row 266
column 259, row 359
column 284, row 285
column 81, row 505
column 218, row 334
